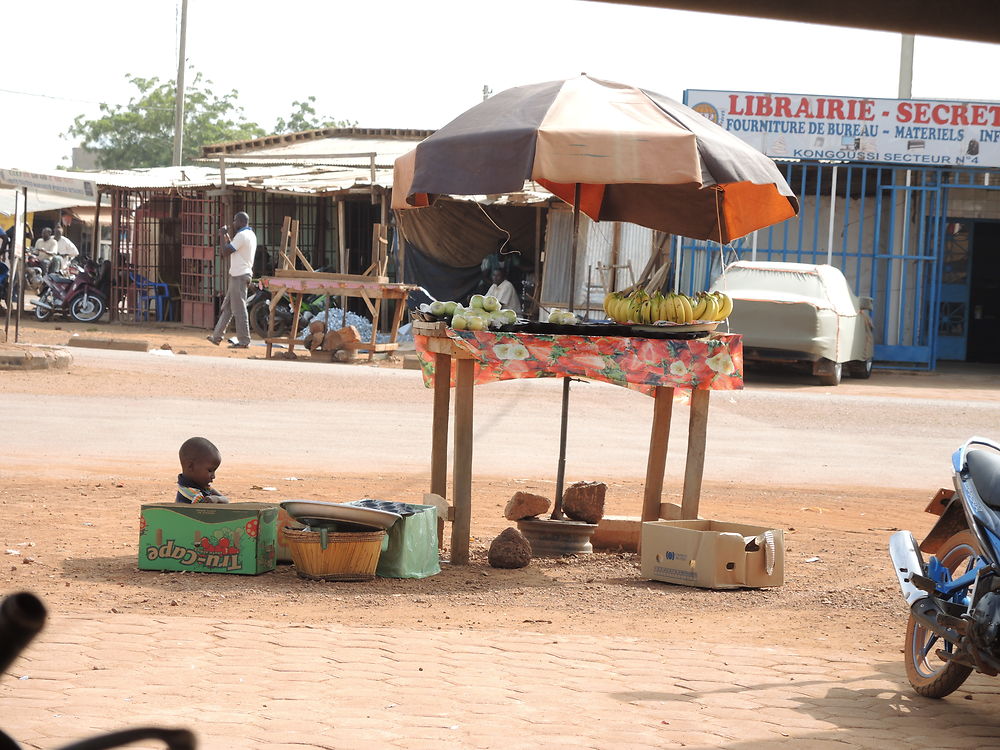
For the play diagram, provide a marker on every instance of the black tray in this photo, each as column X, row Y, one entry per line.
column 602, row 329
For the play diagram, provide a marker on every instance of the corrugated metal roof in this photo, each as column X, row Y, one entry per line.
column 319, row 179
column 387, row 144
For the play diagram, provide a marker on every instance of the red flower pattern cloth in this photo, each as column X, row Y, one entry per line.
column 711, row 363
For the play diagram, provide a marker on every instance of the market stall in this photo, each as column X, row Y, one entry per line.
column 374, row 291
column 372, row 286
column 656, row 367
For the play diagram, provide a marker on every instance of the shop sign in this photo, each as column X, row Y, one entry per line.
column 917, row 132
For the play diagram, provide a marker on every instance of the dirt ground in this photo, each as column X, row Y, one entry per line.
column 74, row 536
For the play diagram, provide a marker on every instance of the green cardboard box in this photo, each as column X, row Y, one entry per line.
column 205, row 538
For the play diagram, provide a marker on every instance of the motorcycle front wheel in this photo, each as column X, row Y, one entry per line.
column 44, row 313
column 928, row 674
column 86, row 308
column 259, row 315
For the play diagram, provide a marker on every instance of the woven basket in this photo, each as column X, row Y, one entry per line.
column 349, row 556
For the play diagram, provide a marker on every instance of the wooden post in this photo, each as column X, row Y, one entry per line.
column 439, row 430
column 461, row 481
column 538, row 260
column 663, row 403
column 342, row 250
column 697, row 431
column 616, row 244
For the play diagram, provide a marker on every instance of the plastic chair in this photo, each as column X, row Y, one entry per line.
column 152, row 291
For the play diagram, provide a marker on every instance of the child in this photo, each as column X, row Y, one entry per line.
column 199, row 460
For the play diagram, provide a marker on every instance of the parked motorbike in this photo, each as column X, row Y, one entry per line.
column 79, row 297
column 259, row 312
column 954, row 597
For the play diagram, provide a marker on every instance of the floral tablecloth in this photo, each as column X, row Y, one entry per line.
column 713, row 363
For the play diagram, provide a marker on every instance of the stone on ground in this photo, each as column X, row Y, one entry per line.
column 510, row 550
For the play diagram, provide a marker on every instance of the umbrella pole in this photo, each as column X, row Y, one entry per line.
column 576, row 238
column 557, row 513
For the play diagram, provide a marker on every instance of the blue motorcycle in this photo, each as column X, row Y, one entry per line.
column 954, row 597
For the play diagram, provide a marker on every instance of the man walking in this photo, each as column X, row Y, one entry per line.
column 240, row 248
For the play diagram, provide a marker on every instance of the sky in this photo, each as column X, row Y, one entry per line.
column 402, row 64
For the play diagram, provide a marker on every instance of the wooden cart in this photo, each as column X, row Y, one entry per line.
column 297, row 284
column 434, row 338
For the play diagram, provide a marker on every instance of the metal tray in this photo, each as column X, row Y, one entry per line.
column 318, row 513
column 695, row 330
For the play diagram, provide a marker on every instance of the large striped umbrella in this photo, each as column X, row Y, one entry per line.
column 615, row 152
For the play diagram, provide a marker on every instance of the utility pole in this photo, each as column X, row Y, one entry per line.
column 179, row 94
column 906, row 66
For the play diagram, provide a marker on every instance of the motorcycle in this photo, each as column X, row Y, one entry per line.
column 259, row 312
column 954, row 597
column 80, row 297
column 22, row 617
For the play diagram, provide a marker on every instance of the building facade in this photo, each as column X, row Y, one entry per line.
column 901, row 195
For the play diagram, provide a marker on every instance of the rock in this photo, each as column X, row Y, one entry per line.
column 510, row 550
column 584, row 501
column 166, row 347
column 317, row 326
column 525, row 505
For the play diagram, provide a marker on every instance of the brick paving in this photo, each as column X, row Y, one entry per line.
column 245, row 684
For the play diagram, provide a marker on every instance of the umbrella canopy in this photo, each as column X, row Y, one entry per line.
column 636, row 156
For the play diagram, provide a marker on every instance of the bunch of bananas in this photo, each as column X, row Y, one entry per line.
column 642, row 308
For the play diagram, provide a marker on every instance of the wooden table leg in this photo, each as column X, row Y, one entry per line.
column 296, row 301
column 375, row 317
column 663, row 403
column 697, row 431
column 439, row 431
column 461, row 481
column 397, row 318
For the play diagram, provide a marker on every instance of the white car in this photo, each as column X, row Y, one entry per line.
column 802, row 313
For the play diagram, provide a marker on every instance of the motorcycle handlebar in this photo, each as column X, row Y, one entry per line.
column 22, row 617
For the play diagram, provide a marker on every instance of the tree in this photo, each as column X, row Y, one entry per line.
column 304, row 118
column 141, row 133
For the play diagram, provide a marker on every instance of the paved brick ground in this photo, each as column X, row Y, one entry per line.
column 241, row 684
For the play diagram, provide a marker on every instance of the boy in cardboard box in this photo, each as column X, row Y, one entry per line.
column 199, row 461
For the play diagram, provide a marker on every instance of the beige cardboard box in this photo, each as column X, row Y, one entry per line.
column 712, row 554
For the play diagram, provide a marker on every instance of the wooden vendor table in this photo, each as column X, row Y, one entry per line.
column 297, row 284
column 656, row 367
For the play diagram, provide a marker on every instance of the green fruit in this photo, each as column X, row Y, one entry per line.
column 459, row 323
column 477, row 324
column 449, row 308
column 491, row 304
column 509, row 316
column 438, row 309
column 477, row 301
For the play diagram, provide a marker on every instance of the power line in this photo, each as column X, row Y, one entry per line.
column 80, row 101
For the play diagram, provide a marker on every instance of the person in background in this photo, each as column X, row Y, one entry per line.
column 5, row 243
column 240, row 248
column 45, row 248
column 504, row 291
column 65, row 249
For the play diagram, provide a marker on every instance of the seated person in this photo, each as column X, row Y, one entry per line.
column 65, row 251
column 46, row 247
column 504, row 291
column 199, row 460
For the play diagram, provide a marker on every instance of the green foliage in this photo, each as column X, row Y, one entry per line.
column 304, row 118
column 141, row 133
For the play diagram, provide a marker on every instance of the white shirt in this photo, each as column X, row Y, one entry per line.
column 504, row 291
column 241, row 261
column 66, row 248
column 46, row 248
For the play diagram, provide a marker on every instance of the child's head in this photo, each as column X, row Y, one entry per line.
column 199, row 460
